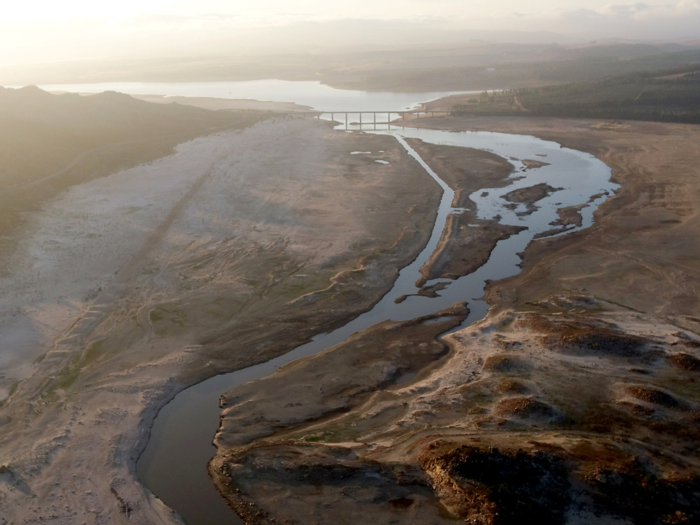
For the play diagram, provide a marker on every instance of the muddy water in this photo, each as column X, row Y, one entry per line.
column 174, row 464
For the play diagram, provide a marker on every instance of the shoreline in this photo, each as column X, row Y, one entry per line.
column 499, row 294
column 505, row 361
column 164, row 381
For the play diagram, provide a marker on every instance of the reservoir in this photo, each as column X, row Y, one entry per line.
column 174, row 464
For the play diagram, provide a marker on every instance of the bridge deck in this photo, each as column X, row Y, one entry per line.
column 382, row 112
column 374, row 122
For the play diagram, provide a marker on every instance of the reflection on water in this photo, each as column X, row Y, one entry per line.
column 174, row 464
column 307, row 93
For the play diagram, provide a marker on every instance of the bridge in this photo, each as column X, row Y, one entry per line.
column 372, row 120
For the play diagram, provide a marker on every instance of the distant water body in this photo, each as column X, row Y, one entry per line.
column 307, row 93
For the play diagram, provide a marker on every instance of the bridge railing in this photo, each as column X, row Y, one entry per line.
column 371, row 121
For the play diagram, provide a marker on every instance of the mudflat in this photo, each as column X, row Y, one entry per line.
column 467, row 241
column 124, row 290
column 573, row 401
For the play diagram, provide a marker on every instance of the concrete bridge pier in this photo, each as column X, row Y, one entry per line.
column 416, row 114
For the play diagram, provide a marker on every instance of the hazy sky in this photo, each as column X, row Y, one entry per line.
column 49, row 30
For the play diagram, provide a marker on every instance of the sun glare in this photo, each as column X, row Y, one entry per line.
column 71, row 9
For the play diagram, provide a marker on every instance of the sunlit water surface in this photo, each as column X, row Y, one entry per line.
column 306, row 93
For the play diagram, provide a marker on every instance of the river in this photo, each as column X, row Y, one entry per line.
column 174, row 463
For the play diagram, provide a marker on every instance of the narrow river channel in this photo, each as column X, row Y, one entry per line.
column 174, row 464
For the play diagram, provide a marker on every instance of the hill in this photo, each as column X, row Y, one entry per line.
column 668, row 96
column 454, row 65
column 49, row 142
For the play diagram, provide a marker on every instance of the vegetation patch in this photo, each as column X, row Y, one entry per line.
column 488, row 486
column 583, row 338
column 69, row 375
column 666, row 96
column 167, row 318
column 655, row 396
column 525, row 407
column 511, row 386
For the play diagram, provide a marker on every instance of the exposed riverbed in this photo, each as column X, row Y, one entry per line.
column 174, row 463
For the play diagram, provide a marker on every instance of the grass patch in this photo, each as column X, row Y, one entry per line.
column 70, row 374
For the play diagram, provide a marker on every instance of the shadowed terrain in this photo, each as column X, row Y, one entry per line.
column 50, row 142
column 574, row 401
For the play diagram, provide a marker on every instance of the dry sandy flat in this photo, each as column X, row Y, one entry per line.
column 575, row 401
column 128, row 288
